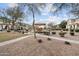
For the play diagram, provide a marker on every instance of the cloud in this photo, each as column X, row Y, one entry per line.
column 49, row 8
column 46, row 9
column 40, row 21
column 54, row 19
column 44, row 13
column 12, row 5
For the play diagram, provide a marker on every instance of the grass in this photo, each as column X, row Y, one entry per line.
column 4, row 36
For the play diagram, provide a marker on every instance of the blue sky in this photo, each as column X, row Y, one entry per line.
column 3, row 5
column 45, row 17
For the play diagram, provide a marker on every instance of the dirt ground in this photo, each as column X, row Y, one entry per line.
column 31, row 47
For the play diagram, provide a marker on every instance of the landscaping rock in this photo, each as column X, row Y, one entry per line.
column 67, row 43
column 39, row 41
column 48, row 38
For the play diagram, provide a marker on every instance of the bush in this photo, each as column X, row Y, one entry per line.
column 71, row 30
column 77, row 30
column 23, row 32
column 62, row 33
column 53, row 32
column 40, row 32
column 48, row 38
column 58, row 29
column 47, row 33
column 8, row 31
column 72, row 33
column 0, row 29
column 65, row 29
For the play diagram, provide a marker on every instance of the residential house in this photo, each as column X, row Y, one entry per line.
column 39, row 27
column 73, row 24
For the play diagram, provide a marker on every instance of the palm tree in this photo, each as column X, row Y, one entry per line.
column 34, row 9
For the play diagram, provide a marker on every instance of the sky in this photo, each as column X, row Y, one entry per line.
column 45, row 17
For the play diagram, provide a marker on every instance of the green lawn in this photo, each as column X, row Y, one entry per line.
column 4, row 36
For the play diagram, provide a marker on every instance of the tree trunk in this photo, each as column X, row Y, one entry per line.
column 3, row 24
column 74, row 28
column 33, row 24
column 34, row 29
column 2, row 27
column 13, row 24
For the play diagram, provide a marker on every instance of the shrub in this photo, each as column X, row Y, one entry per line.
column 47, row 33
column 23, row 32
column 65, row 29
column 62, row 33
column 8, row 31
column 77, row 30
column 72, row 32
column 48, row 38
column 40, row 32
column 0, row 29
column 53, row 32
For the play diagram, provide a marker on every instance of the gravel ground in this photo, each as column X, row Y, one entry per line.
column 31, row 47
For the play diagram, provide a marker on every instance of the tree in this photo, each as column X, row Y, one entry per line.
column 63, row 24
column 2, row 13
column 51, row 25
column 14, row 14
column 4, row 17
column 6, row 22
column 33, row 8
column 72, row 8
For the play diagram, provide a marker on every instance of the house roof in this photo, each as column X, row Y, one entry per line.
column 73, row 21
column 40, row 23
column 77, row 22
